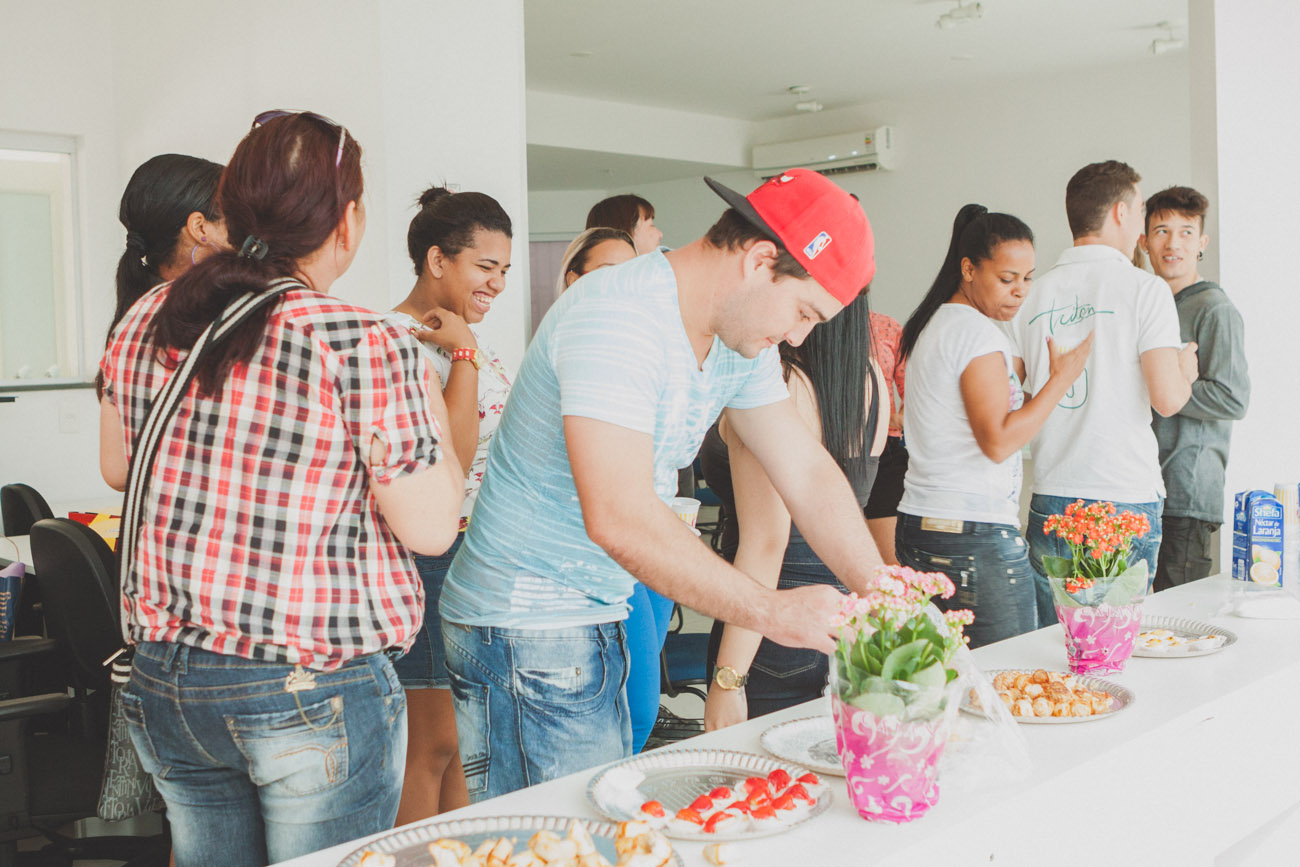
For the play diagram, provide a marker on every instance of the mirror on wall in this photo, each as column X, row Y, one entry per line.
column 39, row 314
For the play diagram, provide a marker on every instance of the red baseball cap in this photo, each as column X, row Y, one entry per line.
column 820, row 224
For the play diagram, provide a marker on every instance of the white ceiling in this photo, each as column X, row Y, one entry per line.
column 736, row 58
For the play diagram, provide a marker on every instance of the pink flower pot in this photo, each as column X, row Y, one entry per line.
column 1099, row 639
column 891, row 764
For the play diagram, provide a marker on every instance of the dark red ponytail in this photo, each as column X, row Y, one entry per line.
column 283, row 188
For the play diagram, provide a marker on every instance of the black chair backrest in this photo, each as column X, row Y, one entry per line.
column 21, row 506
column 80, row 614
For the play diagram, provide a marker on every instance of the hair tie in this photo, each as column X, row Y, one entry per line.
column 254, row 248
column 136, row 241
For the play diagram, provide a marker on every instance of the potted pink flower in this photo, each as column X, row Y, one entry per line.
column 894, row 691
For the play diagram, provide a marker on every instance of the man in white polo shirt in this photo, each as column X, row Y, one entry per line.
column 1097, row 444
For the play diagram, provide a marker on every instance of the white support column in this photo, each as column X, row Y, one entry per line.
column 1245, row 127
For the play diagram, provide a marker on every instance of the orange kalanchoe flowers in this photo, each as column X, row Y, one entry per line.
column 1100, row 540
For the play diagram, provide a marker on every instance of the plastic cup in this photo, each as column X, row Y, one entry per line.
column 686, row 508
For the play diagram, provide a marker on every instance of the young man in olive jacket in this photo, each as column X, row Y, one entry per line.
column 1194, row 442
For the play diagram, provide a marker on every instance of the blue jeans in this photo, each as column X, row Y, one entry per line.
column 988, row 563
column 252, row 773
column 424, row 666
column 646, row 627
column 1041, row 507
column 781, row 676
column 533, row 705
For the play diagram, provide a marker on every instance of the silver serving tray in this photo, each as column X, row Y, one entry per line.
column 1123, row 696
column 675, row 778
column 1183, row 628
column 410, row 844
column 809, row 742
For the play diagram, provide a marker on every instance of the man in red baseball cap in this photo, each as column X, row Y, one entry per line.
column 624, row 376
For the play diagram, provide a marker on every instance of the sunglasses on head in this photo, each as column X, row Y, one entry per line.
column 267, row 116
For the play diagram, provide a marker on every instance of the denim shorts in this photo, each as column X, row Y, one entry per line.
column 258, row 773
column 424, row 666
column 1041, row 507
column 988, row 563
column 533, row 705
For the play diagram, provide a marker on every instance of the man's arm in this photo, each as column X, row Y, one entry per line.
column 819, row 498
column 613, row 473
column 1169, row 374
column 1222, row 392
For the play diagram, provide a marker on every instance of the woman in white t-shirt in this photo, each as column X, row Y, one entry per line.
column 460, row 246
column 967, row 420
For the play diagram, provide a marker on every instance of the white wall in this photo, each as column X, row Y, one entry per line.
column 137, row 78
column 558, row 120
column 54, row 58
column 556, row 215
column 1255, row 74
column 1010, row 147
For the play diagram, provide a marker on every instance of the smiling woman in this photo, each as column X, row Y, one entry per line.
column 460, row 247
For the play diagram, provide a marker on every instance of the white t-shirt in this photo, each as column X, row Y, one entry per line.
column 947, row 474
column 493, row 388
column 1097, row 443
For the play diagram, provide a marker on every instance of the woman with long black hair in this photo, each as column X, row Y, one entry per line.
column 270, row 576
column 841, row 396
column 172, row 219
column 967, row 420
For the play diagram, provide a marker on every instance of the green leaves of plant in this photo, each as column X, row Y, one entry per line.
column 1058, row 567
column 901, row 662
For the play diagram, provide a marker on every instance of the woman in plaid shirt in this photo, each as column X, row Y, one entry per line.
column 271, row 572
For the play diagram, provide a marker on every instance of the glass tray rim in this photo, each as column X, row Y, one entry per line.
column 1189, row 625
column 725, row 760
column 1120, row 693
column 768, row 736
column 397, row 840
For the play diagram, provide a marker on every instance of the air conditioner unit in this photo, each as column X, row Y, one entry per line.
column 830, row 155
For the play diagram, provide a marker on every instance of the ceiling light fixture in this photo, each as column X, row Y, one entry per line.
column 798, row 89
column 810, row 105
column 962, row 13
column 1168, row 42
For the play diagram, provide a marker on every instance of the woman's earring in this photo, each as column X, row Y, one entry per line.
column 1200, row 255
column 203, row 241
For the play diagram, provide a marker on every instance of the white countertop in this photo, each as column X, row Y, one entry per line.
column 1208, row 754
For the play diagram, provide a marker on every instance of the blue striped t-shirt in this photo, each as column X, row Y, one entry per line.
column 612, row 348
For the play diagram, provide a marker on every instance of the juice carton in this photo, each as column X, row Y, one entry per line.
column 1257, row 540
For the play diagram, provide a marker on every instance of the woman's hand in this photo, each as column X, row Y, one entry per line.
column 1069, row 363
column 446, row 330
column 724, row 707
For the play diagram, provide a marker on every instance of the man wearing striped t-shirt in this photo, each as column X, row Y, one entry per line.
column 625, row 375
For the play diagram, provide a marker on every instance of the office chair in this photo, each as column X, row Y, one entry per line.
column 21, row 506
column 682, row 669
column 53, row 779
column 57, row 774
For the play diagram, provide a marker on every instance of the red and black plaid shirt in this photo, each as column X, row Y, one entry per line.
column 260, row 536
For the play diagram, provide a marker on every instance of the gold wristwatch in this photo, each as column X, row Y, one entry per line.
column 727, row 677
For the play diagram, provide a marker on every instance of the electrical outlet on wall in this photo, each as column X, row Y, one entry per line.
column 69, row 416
